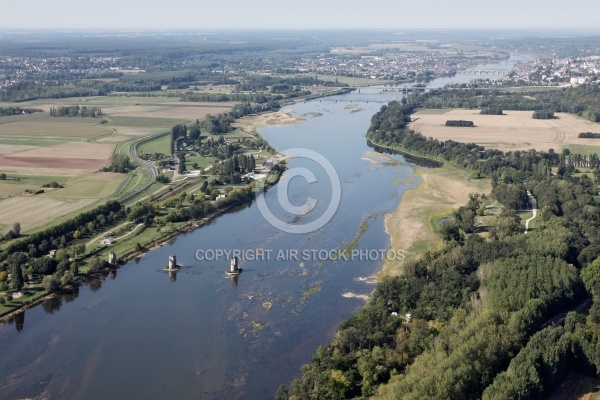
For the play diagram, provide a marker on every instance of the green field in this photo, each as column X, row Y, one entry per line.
column 41, row 125
column 97, row 186
column 203, row 162
column 584, row 149
column 151, row 123
column 159, row 145
column 435, row 111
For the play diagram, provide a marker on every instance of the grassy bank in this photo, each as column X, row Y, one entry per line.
column 413, row 225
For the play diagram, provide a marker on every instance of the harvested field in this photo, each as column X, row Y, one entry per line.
column 43, row 173
column 71, row 155
column 135, row 131
column 8, row 189
column 35, row 211
column 114, row 139
column 93, row 151
column 514, row 131
column 187, row 113
column 95, row 186
column 54, row 127
column 150, row 124
column 54, row 163
column 14, row 148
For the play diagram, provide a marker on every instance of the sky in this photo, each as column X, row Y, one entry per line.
column 300, row 14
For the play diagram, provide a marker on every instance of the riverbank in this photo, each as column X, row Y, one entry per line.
column 412, row 226
column 147, row 240
column 157, row 241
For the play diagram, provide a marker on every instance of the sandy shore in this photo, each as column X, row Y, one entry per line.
column 411, row 226
column 279, row 118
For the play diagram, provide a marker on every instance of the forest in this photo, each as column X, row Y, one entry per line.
column 507, row 316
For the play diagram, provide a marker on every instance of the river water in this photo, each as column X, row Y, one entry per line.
column 199, row 333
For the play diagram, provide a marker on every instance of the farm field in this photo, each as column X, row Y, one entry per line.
column 189, row 111
column 95, row 186
column 159, row 145
column 40, row 163
column 514, row 131
column 39, row 149
column 36, row 211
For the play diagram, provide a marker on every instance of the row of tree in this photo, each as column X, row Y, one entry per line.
column 491, row 111
column 76, row 111
column 460, row 122
column 5, row 111
column 589, row 135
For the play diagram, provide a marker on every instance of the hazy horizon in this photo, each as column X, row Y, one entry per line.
column 309, row 14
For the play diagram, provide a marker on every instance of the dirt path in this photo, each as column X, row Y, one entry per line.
column 130, row 232
column 106, row 233
column 534, row 209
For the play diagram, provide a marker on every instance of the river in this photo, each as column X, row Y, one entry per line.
column 199, row 333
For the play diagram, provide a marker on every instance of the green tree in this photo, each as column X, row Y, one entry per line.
column 74, row 268
column 591, row 277
column 50, row 283
column 16, row 261
column 17, row 229
column 181, row 168
column 508, row 223
column 67, row 279
column 96, row 264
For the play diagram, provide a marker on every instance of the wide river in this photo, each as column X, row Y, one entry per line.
column 201, row 334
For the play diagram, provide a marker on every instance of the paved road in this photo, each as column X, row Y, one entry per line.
column 148, row 165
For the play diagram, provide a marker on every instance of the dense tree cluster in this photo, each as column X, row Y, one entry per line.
column 119, row 163
column 231, row 169
column 460, row 122
column 589, row 135
column 76, row 111
column 202, row 209
column 4, row 111
column 543, row 114
column 491, row 111
column 484, row 313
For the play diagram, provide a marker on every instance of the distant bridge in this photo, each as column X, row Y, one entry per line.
column 482, row 72
column 405, row 90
